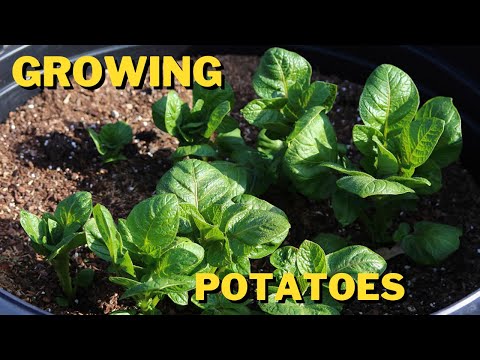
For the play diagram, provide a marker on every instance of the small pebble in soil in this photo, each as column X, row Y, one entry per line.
column 411, row 308
column 115, row 114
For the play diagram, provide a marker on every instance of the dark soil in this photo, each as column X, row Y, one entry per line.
column 46, row 155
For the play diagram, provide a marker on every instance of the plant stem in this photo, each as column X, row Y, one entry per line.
column 61, row 264
column 376, row 224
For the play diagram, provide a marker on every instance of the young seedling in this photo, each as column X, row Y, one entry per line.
column 196, row 128
column 231, row 226
column 208, row 132
column 200, row 221
column 404, row 149
column 146, row 255
column 55, row 235
column 111, row 140
column 296, row 133
column 310, row 258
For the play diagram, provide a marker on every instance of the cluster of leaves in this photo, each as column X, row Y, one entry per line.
column 111, row 140
column 291, row 112
column 55, row 235
column 199, row 221
column 208, row 132
column 310, row 258
column 205, row 217
column 195, row 128
column 404, row 148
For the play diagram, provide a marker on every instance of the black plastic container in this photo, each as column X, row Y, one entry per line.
column 437, row 71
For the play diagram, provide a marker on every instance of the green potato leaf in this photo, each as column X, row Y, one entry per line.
column 255, row 203
column 213, row 97
column 74, row 211
column 153, row 223
column 330, row 242
column 267, row 114
column 197, row 183
column 290, row 307
column 365, row 186
column 311, row 258
column 389, row 101
column 431, row 243
column 218, row 253
column 54, row 230
column 449, row 145
column 201, row 150
column 125, row 264
column 179, row 298
column 363, row 139
column 108, row 231
column 68, row 243
column 111, row 140
column 415, row 183
column 217, row 304
column 127, row 239
column 343, row 170
column 402, row 231
column 159, row 285
column 240, row 265
column 432, row 172
column 320, row 93
column 97, row 141
column 346, row 207
column 285, row 259
column 278, row 71
column 354, row 260
column 116, row 136
column 385, row 162
column 227, row 125
column 418, row 140
column 312, row 142
column 216, row 118
column 181, row 258
column 237, row 175
column 109, row 158
column 247, row 228
column 124, row 282
column 269, row 146
column 95, row 241
column 35, row 228
column 169, row 113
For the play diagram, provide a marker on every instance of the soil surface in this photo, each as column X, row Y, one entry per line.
column 46, row 154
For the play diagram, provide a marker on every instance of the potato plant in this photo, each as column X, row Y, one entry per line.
column 205, row 216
